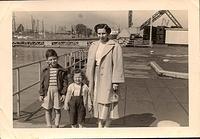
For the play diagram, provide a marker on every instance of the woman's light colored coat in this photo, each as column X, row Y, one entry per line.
column 110, row 70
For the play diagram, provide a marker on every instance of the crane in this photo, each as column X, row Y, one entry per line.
column 157, row 15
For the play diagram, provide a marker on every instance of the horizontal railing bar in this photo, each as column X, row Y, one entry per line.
column 63, row 55
column 76, row 63
column 21, row 90
column 25, row 65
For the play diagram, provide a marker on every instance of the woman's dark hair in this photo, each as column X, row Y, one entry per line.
column 50, row 52
column 101, row 26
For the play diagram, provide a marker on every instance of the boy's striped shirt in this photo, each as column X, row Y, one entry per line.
column 53, row 77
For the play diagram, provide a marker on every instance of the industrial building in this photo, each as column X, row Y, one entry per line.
column 146, row 35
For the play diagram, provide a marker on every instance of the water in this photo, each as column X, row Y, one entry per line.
column 24, row 55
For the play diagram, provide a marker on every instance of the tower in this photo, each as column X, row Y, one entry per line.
column 130, row 21
column 37, row 26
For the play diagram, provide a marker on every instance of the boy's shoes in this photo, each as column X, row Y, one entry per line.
column 55, row 126
column 77, row 126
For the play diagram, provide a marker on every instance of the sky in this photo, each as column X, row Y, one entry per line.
column 90, row 18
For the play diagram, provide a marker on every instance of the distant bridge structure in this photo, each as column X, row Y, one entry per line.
column 53, row 43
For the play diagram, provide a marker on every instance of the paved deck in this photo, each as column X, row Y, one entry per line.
column 146, row 98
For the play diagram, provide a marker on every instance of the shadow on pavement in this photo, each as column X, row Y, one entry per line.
column 133, row 120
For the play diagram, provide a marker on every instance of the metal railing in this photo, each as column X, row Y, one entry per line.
column 75, row 59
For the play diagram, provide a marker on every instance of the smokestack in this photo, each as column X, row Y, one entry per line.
column 42, row 26
column 37, row 25
column 33, row 24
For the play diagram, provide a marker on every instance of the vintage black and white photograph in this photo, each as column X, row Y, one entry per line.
column 100, row 69
column 96, row 69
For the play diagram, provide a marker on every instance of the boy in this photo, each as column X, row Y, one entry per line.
column 53, row 86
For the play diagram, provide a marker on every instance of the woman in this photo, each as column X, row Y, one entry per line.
column 104, row 72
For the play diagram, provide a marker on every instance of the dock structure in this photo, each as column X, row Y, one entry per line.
column 146, row 99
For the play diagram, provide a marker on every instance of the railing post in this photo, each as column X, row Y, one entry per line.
column 85, row 57
column 70, row 59
column 39, row 70
column 65, row 61
column 81, row 55
column 80, row 59
column 74, row 59
column 18, row 95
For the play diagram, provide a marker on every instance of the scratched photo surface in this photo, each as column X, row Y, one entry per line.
column 155, row 58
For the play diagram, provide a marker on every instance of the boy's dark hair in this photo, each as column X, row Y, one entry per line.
column 101, row 26
column 50, row 52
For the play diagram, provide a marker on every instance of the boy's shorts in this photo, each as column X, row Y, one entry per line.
column 52, row 100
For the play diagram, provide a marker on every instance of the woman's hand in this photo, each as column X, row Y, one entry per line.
column 90, row 109
column 115, row 86
column 66, row 107
column 62, row 99
column 41, row 98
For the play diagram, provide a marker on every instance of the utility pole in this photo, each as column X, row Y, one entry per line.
column 86, row 32
column 44, row 32
column 55, row 29
column 150, row 39
column 14, row 23
column 37, row 25
column 51, row 29
column 42, row 26
column 43, row 29
column 31, row 23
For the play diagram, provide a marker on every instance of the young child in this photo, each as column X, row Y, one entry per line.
column 77, row 99
column 53, row 86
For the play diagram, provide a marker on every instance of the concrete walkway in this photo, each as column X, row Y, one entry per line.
column 146, row 98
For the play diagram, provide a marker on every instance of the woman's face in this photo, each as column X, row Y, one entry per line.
column 102, row 34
